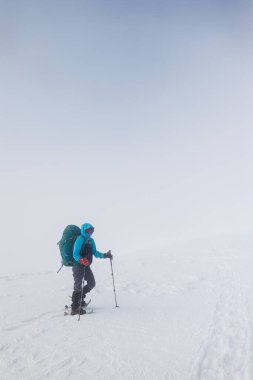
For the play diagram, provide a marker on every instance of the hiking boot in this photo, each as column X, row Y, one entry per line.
column 76, row 296
column 84, row 303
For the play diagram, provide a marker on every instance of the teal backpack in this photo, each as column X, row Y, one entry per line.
column 66, row 244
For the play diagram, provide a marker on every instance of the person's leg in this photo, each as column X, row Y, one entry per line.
column 78, row 273
column 89, row 278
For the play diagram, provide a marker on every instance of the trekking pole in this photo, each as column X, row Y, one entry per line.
column 116, row 305
column 81, row 298
column 60, row 268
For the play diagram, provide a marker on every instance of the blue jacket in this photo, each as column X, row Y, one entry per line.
column 85, row 238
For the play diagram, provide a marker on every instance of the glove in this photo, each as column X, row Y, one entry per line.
column 84, row 262
column 108, row 255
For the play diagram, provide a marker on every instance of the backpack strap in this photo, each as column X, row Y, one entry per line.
column 84, row 243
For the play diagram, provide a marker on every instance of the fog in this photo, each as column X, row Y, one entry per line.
column 134, row 116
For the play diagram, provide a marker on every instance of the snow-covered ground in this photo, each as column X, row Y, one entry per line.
column 186, row 313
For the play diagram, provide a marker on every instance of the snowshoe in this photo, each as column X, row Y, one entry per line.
column 78, row 311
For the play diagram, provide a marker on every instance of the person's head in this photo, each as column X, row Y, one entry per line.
column 87, row 229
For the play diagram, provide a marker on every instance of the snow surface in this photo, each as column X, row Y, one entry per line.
column 186, row 312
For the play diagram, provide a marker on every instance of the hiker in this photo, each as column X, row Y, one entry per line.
column 83, row 251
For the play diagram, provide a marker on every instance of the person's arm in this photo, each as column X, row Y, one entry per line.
column 77, row 248
column 95, row 252
column 100, row 255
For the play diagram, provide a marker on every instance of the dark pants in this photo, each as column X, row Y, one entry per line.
column 78, row 272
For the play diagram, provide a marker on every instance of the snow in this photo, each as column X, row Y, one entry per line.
column 185, row 314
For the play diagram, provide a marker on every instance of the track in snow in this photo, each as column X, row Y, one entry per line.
column 227, row 354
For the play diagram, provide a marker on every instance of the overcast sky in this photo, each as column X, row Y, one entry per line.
column 135, row 116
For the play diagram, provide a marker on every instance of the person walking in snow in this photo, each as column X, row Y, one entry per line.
column 83, row 252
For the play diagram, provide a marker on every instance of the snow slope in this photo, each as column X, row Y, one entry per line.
column 185, row 313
